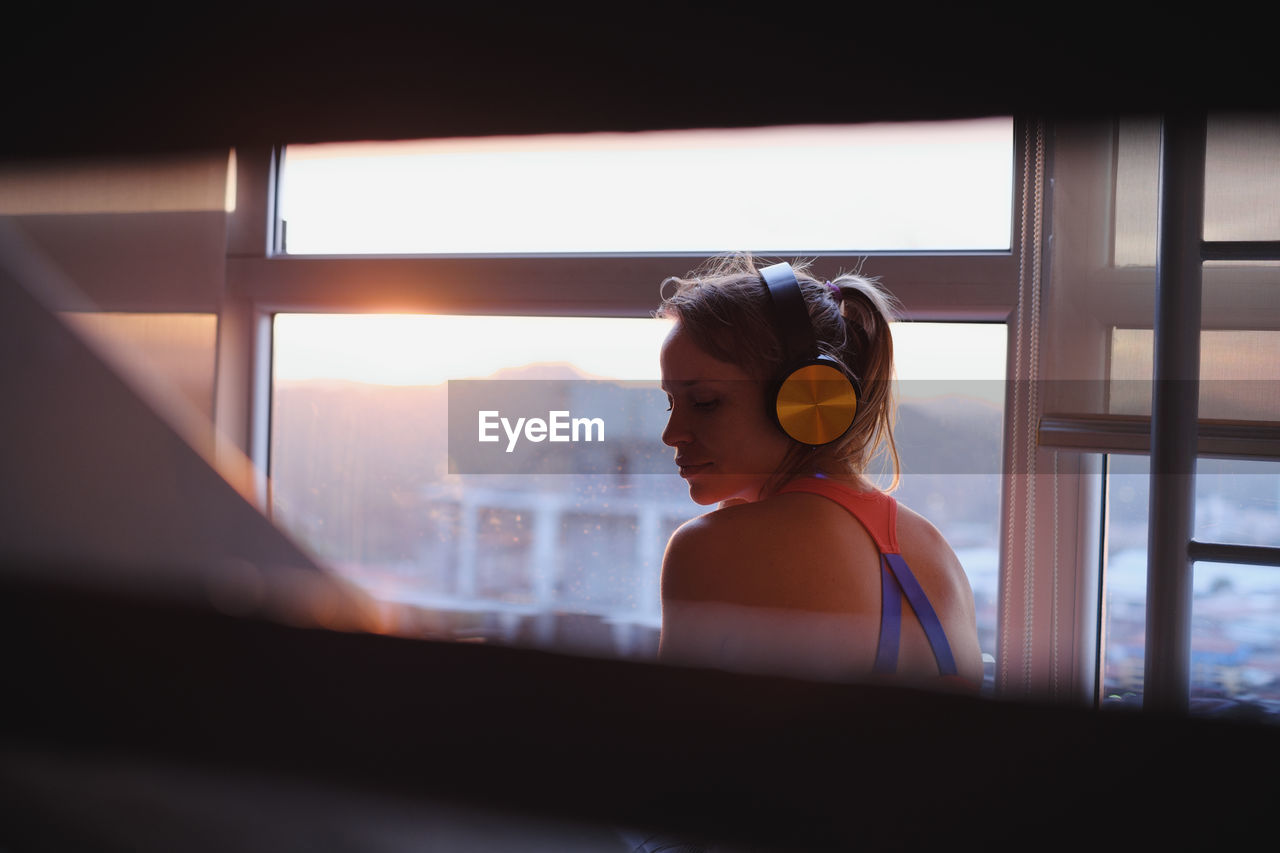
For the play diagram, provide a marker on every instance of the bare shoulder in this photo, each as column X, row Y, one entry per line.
column 915, row 528
column 693, row 566
column 773, row 553
column 924, row 546
column 728, row 524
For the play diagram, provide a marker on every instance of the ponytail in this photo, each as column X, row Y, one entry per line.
column 867, row 312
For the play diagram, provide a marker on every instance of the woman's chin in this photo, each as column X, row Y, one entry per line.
column 711, row 490
column 704, row 493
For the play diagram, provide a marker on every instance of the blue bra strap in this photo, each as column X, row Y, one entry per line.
column 924, row 612
column 890, row 621
column 895, row 579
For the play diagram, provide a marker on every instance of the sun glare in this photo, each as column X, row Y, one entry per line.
column 407, row 349
column 396, row 349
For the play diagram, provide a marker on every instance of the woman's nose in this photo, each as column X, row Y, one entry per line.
column 676, row 433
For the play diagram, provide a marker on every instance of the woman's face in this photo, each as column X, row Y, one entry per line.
column 726, row 445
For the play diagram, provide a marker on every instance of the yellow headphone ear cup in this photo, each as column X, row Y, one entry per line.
column 816, row 404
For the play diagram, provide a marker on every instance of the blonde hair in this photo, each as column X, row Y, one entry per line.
column 724, row 308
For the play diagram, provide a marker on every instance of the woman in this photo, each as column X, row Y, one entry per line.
column 789, row 574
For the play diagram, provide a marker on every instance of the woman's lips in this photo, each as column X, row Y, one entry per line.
column 687, row 470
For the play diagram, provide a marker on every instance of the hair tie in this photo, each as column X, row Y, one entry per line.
column 836, row 292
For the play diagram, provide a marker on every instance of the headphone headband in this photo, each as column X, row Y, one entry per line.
column 790, row 312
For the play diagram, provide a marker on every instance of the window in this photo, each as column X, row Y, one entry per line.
column 361, row 468
column 361, row 472
column 353, row 472
column 1235, row 612
column 1095, row 370
column 893, row 187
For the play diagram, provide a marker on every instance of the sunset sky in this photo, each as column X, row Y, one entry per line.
column 426, row 350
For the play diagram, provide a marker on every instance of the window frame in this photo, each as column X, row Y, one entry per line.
column 973, row 286
column 1233, row 299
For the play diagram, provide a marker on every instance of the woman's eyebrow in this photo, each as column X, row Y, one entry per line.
column 722, row 386
column 682, row 383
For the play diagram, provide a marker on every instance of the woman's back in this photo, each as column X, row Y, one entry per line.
column 792, row 585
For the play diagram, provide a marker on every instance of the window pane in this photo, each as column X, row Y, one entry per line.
column 1237, row 373
column 361, row 471
column 1242, row 183
column 949, row 438
column 942, row 185
column 361, row 474
column 1235, row 629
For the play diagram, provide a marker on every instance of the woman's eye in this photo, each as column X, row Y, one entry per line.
column 696, row 404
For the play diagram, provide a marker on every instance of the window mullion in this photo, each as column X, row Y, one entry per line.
column 1174, row 409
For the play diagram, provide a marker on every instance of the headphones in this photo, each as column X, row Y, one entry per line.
column 815, row 400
